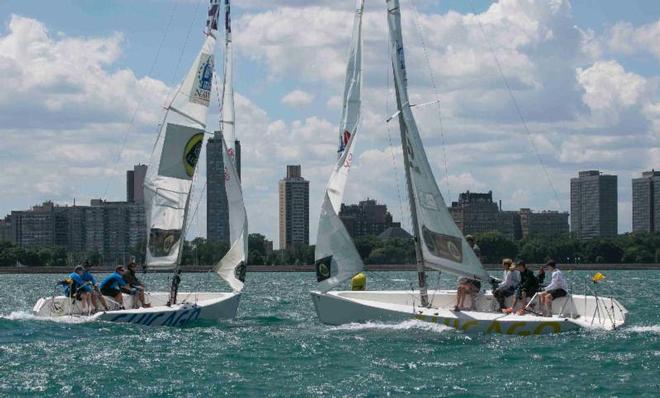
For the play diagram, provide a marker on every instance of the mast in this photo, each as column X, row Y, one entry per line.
column 228, row 118
column 400, row 80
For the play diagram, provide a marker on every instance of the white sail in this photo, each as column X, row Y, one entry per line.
column 228, row 118
column 442, row 243
column 173, row 162
column 232, row 266
column 336, row 257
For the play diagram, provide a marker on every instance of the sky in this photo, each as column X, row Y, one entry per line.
column 83, row 84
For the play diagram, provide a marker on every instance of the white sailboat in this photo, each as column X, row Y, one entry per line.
column 439, row 244
column 167, row 191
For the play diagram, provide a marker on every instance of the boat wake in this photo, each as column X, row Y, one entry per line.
column 28, row 316
column 405, row 325
column 653, row 329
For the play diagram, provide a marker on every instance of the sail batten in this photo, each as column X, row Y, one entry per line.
column 441, row 244
column 173, row 162
column 336, row 258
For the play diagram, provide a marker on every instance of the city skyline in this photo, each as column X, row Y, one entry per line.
column 287, row 108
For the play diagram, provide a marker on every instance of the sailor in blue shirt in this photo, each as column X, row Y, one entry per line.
column 114, row 284
column 78, row 288
column 91, row 281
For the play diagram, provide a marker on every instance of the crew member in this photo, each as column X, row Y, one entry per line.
column 132, row 280
column 91, row 281
column 78, row 288
column 557, row 288
column 510, row 280
column 114, row 284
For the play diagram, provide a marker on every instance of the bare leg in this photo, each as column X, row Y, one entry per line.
column 118, row 298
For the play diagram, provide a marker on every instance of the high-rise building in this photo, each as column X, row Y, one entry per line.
column 646, row 202
column 5, row 230
column 594, row 205
column 294, row 209
column 544, row 224
column 366, row 218
column 217, row 209
column 134, row 183
column 476, row 213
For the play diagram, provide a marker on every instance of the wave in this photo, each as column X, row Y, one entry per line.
column 28, row 316
column 405, row 325
column 645, row 329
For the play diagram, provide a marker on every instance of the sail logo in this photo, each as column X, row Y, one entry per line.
column 323, row 268
column 343, row 140
column 443, row 246
column 191, row 153
column 201, row 88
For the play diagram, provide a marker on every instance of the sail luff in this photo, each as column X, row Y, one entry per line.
column 336, row 258
column 440, row 242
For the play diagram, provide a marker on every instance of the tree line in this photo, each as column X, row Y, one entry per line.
column 630, row 248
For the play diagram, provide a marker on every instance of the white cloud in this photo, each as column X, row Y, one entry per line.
column 608, row 87
column 298, row 99
column 628, row 39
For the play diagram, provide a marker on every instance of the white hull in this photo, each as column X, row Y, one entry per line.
column 568, row 313
column 190, row 307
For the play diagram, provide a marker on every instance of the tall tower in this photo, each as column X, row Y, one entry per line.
column 646, row 202
column 134, row 183
column 594, row 205
column 217, row 209
column 294, row 209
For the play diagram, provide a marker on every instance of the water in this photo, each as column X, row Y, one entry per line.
column 278, row 348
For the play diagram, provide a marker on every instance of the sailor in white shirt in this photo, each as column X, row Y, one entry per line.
column 556, row 288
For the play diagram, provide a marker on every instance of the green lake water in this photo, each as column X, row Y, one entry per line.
column 276, row 347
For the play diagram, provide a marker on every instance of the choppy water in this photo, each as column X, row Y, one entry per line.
column 277, row 347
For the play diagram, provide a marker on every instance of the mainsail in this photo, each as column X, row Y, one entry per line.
column 173, row 161
column 232, row 267
column 336, row 257
column 443, row 246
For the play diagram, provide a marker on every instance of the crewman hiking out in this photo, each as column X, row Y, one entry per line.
column 77, row 289
column 114, row 284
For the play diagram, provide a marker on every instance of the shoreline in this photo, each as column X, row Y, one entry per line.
column 310, row 268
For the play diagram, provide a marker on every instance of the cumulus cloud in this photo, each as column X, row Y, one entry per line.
column 298, row 98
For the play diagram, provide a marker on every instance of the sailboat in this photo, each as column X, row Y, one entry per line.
column 167, row 191
column 439, row 244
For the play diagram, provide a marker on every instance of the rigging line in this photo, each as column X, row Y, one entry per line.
column 516, row 106
column 138, row 106
column 420, row 33
column 389, row 139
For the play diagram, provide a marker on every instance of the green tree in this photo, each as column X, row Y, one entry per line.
column 495, row 246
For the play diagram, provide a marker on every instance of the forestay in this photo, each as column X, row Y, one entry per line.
column 173, row 161
column 443, row 246
column 336, row 257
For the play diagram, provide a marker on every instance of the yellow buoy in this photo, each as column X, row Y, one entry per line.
column 359, row 282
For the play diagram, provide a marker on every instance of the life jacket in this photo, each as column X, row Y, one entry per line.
column 70, row 287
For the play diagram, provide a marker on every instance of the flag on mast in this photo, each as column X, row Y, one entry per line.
column 212, row 19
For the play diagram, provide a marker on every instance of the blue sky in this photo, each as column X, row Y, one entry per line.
column 585, row 74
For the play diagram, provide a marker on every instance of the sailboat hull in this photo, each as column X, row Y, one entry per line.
column 207, row 306
column 570, row 313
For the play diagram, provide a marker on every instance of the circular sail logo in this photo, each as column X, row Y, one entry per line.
column 191, row 153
